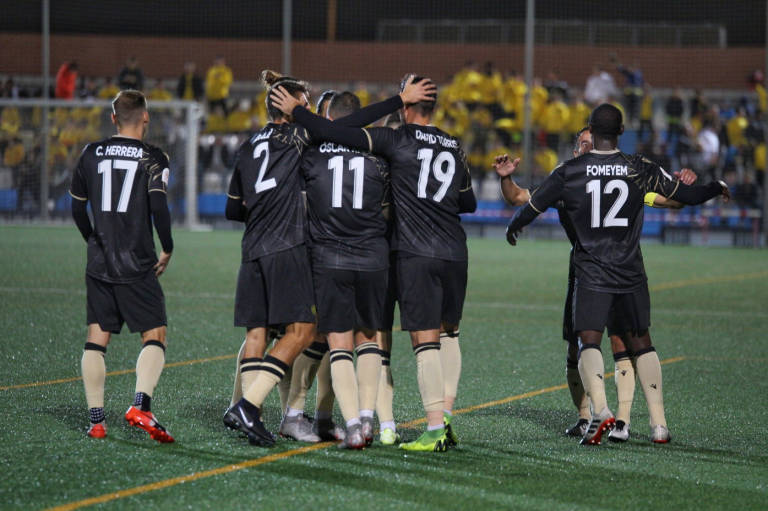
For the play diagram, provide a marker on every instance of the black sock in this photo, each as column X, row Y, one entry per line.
column 97, row 415
column 143, row 401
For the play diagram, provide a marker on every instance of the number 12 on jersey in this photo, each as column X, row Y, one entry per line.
column 610, row 220
column 105, row 169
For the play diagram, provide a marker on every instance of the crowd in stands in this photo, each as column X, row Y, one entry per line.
column 719, row 136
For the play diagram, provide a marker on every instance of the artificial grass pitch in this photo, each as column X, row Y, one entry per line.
column 708, row 308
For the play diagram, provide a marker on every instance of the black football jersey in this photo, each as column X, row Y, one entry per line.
column 428, row 169
column 346, row 192
column 267, row 178
column 603, row 197
column 563, row 218
column 116, row 176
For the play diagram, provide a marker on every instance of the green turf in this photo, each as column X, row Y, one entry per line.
column 510, row 456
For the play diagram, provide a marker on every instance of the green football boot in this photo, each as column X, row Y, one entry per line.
column 429, row 441
column 388, row 436
column 453, row 438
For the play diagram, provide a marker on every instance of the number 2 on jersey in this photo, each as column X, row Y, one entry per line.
column 445, row 176
column 357, row 165
column 261, row 184
column 105, row 169
column 610, row 220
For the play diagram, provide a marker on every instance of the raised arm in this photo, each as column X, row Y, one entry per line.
column 512, row 193
column 371, row 113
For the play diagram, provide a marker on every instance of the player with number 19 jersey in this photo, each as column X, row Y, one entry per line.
column 267, row 179
column 426, row 164
column 116, row 175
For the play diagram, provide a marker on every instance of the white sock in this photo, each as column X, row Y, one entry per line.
column 293, row 412
column 436, row 426
column 388, row 425
column 353, row 422
column 366, row 413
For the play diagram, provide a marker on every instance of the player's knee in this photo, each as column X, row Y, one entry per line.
column 304, row 332
column 617, row 345
column 155, row 334
column 640, row 344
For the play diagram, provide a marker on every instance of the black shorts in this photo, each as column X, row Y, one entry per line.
column 275, row 290
column 430, row 291
column 391, row 296
column 594, row 310
column 140, row 304
column 347, row 300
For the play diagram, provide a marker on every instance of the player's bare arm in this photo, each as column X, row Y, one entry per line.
column 512, row 193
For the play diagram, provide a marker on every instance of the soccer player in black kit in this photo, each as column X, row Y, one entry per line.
column 625, row 372
column 275, row 281
column 125, row 181
column 603, row 193
column 430, row 187
column 347, row 193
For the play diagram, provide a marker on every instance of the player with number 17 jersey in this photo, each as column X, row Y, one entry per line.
column 116, row 175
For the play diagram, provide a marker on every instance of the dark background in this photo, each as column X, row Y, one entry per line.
column 357, row 20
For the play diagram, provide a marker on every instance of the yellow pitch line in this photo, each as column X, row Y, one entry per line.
column 116, row 373
column 708, row 280
column 107, row 497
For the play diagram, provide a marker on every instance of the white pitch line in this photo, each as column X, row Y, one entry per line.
column 485, row 305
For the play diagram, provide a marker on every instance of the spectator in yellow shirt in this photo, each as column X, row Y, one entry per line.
column 554, row 120
column 240, row 118
column 14, row 153
column 159, row 92
column 736, row 128
column 217, row 120
column 109, row 90
column 646, row 114
column 217, row 83
column 579, row 116
column 9, row 121
column 545, row 160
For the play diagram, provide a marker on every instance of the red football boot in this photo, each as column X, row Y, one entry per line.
column 147, row 422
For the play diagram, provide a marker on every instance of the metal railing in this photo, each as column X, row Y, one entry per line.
column 551, row 32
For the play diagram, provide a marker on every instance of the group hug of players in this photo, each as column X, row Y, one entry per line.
column 341, row 220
